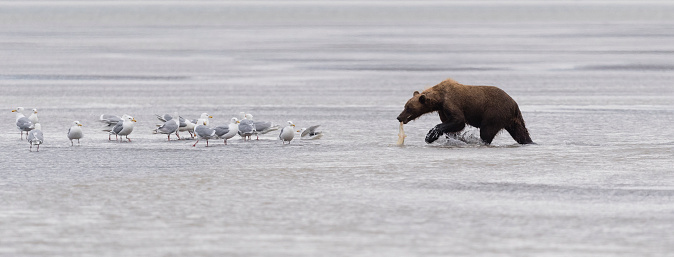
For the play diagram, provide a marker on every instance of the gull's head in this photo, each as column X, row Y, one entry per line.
column 249, row 116
column 302, row 130
column 18, row 109
column 35, row 110
column 234, row 120
column 290, row 123
column 77, row 123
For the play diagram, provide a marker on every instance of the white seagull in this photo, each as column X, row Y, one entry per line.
column 228, row 131
column 247, row 127
column 172, row 125
column 287, row 133
column 262, row 127
column 204, row 132
column 22, row 123
column 75, row 132
column 35, row 137
column 33, row 117
column 109, row 121
column 310, row 133
column 123, row 128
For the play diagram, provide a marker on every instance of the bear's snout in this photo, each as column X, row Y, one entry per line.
column 404, row 118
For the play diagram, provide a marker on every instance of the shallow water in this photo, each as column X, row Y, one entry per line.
column 594, row 88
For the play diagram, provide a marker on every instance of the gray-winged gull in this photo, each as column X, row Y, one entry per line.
column 247, row 127
column 35, row 137
column 75, row 132
column 187, row 125
column 170, row 126
column 123, row 128
column 204, row 132
column 228, row 131
column 22, row 123
column 310, row 133
column 287, row 133
column 109, row 121
column 204, row 117
column 262, row 127
column 33, row 117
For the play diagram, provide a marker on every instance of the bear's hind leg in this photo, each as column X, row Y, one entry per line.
column 519, row 132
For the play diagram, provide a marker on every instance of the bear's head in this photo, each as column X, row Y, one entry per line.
column 419, row 104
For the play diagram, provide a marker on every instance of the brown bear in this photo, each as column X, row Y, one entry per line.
column 486, row 107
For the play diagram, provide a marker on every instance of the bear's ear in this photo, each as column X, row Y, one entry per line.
column 415, row 93
column 422, row 99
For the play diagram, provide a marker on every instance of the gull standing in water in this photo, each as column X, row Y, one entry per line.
column 172, row 125
column 75, row 132
column 109, row 121
column 262, row 127
column 123, row 128
column 228, row 131
column 287, row 133
column 33, row 117
column 35, row 137
column 247, row 127
column 310, row 133
column 22, row 123
column 204, row 132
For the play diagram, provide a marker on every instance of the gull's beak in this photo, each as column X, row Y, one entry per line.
column 13, row 110
column 80, row 125
column 293, row 125
column 210, row 117
column 134, row 120
column 298, row 131
column 238, row 121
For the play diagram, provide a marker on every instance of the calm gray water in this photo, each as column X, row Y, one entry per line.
column 593, row 80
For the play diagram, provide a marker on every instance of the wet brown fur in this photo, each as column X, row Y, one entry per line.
column 486, row 107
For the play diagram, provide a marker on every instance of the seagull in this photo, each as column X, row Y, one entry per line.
column 247, row 127
column 262, row 127
column 35, row 137
column 287, row 133
column 204, row 117
column 22, row 123
column 33, row 117
column 75, row 132
column 109, row 120
column 204, row 132
column 123, row 128
column 228, row 131
column 187, row 125
column 170, row 126
column 165, row 117
column 310, row 133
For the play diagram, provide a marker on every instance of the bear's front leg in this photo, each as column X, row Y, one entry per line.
column 442, row 128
